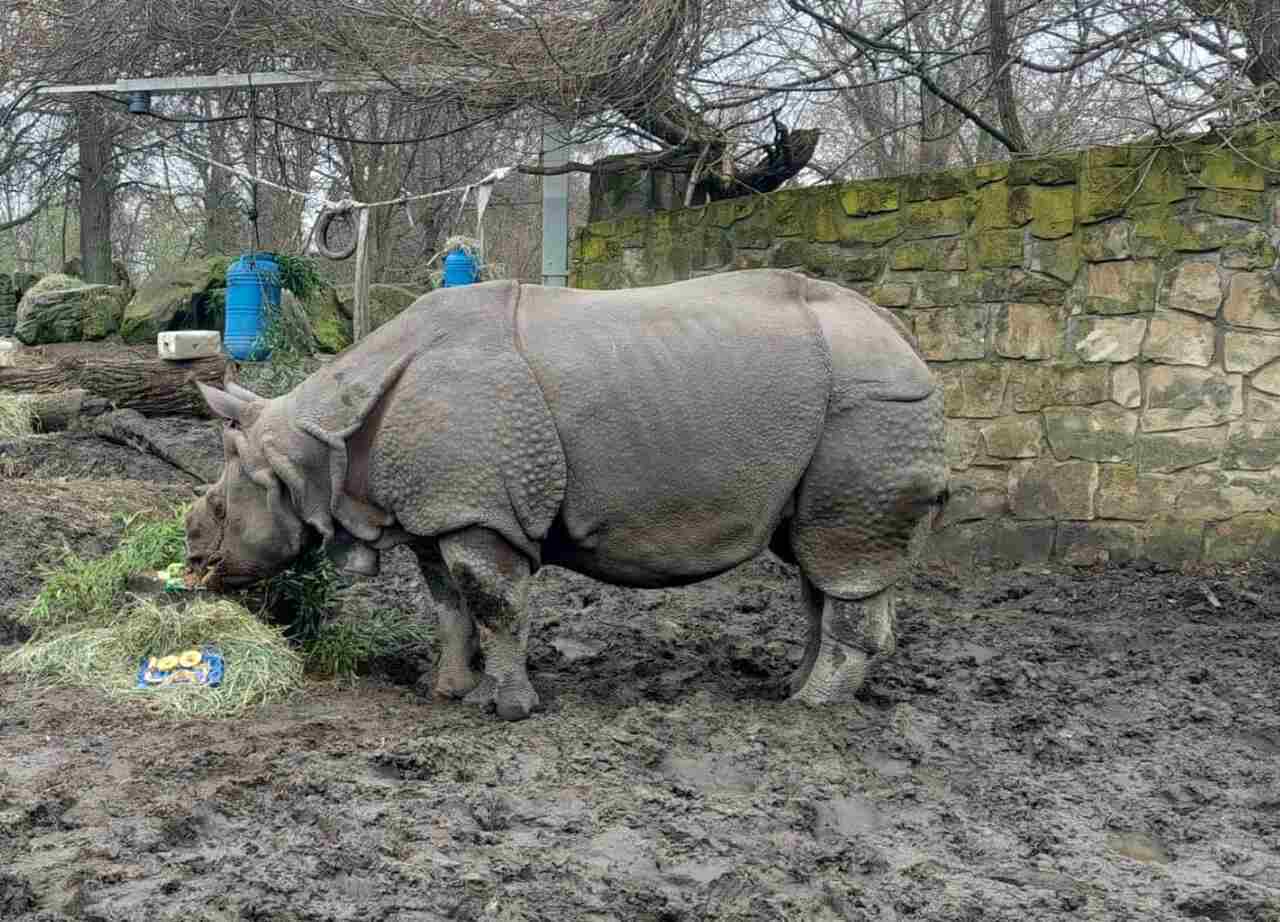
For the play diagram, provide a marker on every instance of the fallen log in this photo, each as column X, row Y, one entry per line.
column 152, row 386
column 60, row 410
column 196, row 450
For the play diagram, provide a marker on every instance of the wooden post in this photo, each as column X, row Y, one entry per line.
column 360, row 292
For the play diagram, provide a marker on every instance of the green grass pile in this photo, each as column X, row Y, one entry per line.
column 89, row 630
column 16, row 417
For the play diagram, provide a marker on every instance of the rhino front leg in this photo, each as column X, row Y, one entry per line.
column 458, row 641
column 492, row 577
column 845, row 637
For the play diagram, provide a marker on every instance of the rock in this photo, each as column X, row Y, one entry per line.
column 1253, row 301
column 1123, row 493
column 1027, row 331
column 1179, row 339
column 182, row 297
column 385, row 302
column 332, row 329
column 1101, row 433
column 1188, row 398
column 1089, row 543
column 1046, row 489
column 1247, row 352
column 1194, row 286
column 974, row 390
column 1034, row 387
column 1013, row 437
column 949, row 333
column 62, row 309
column 1165, row 452
column 1252, row 446
column 1126, row 287
column 1126, row 386
column 1107, row 241
column 1107, row 339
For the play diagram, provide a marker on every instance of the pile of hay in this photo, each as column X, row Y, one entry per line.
column 16, row 416
column 89, row 631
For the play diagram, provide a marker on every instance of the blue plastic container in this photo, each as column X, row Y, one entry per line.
column 459, row 269
column 253, row 282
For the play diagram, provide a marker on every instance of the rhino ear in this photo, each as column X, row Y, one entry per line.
column 235, row 390
column 223, row 404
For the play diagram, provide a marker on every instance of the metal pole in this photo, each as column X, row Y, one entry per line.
column 555, row 206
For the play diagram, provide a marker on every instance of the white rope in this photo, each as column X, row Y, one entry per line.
column 348, row 204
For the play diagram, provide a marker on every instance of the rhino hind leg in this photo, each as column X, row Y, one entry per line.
column 846, row 637
column 455, row 677
column 492, row 578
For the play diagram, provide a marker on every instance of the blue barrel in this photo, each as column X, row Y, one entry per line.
column 459, row 269
column 253, row 281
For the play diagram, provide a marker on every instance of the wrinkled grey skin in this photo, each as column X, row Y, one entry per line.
column 646, row 437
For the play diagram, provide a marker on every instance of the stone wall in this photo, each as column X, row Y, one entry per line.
column 1106, row 327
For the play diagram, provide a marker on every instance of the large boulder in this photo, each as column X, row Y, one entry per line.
column 331, row 327
column 185, row 297
column 62, row 309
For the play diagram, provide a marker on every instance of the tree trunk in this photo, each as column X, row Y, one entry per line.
column 97, row 183
column 1001, row 71
column 60, row 410
column 222, row 214
column 191, row 454
column 151, row 386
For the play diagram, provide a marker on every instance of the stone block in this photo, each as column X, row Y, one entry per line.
column 998, row 248
column 869, row 196
column 974, row 390
column 1106, row 339
column 1000, row 206
column 1245, row 537
column 892, row 294
column 1179, row 339
column 1047, row 489
column 1126, row 386
column 934, row 255
column 956, row 546
column 978, row 493
column 937, row 218
column 1106, row 241
column 1179, row 397
column 1052, row 211
column 1253, row 300
column 1233, row 203
column 1262, row 408
column 874, row 230
column 1028, row 331
column 1090, row 543
column 938, row 185
column 1017, row 542
column 1034, row 387
column 1127, row 287
column 1253, row 446
column 1247, row 352
column 1268, row 379
column 1166, row 452
column 1057, row 258
column 1097, row 433
column 1124, row 493
column 1172, row 540
column 1194, row 286
column 1221, row 494
column 1044, row 171
column 962, row 443
column 949, row 333
column 1253, row 252
column 1012, row 437
column 1223, row 169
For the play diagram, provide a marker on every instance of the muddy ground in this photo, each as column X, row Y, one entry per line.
column 1046, row 744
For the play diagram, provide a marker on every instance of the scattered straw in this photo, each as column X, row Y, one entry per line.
column 17, row 419
column 260, row 666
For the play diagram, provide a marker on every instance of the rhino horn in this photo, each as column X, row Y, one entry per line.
column 223, row 404
column 235, row 390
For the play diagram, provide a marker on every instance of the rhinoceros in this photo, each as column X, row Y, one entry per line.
column 645, row 437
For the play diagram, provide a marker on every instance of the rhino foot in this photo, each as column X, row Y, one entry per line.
column 512, row 701
column 845, row 638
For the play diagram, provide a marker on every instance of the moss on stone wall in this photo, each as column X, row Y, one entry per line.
column 1105, row 327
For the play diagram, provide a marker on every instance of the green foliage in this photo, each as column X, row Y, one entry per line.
column 303, row 596
column 16, row 416
column 81, row 592
column 345, row 648
column 299, row 275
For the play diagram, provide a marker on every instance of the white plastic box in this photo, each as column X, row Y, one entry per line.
column 176, row 345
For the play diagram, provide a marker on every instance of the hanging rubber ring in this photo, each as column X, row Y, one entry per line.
column 322, row 232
